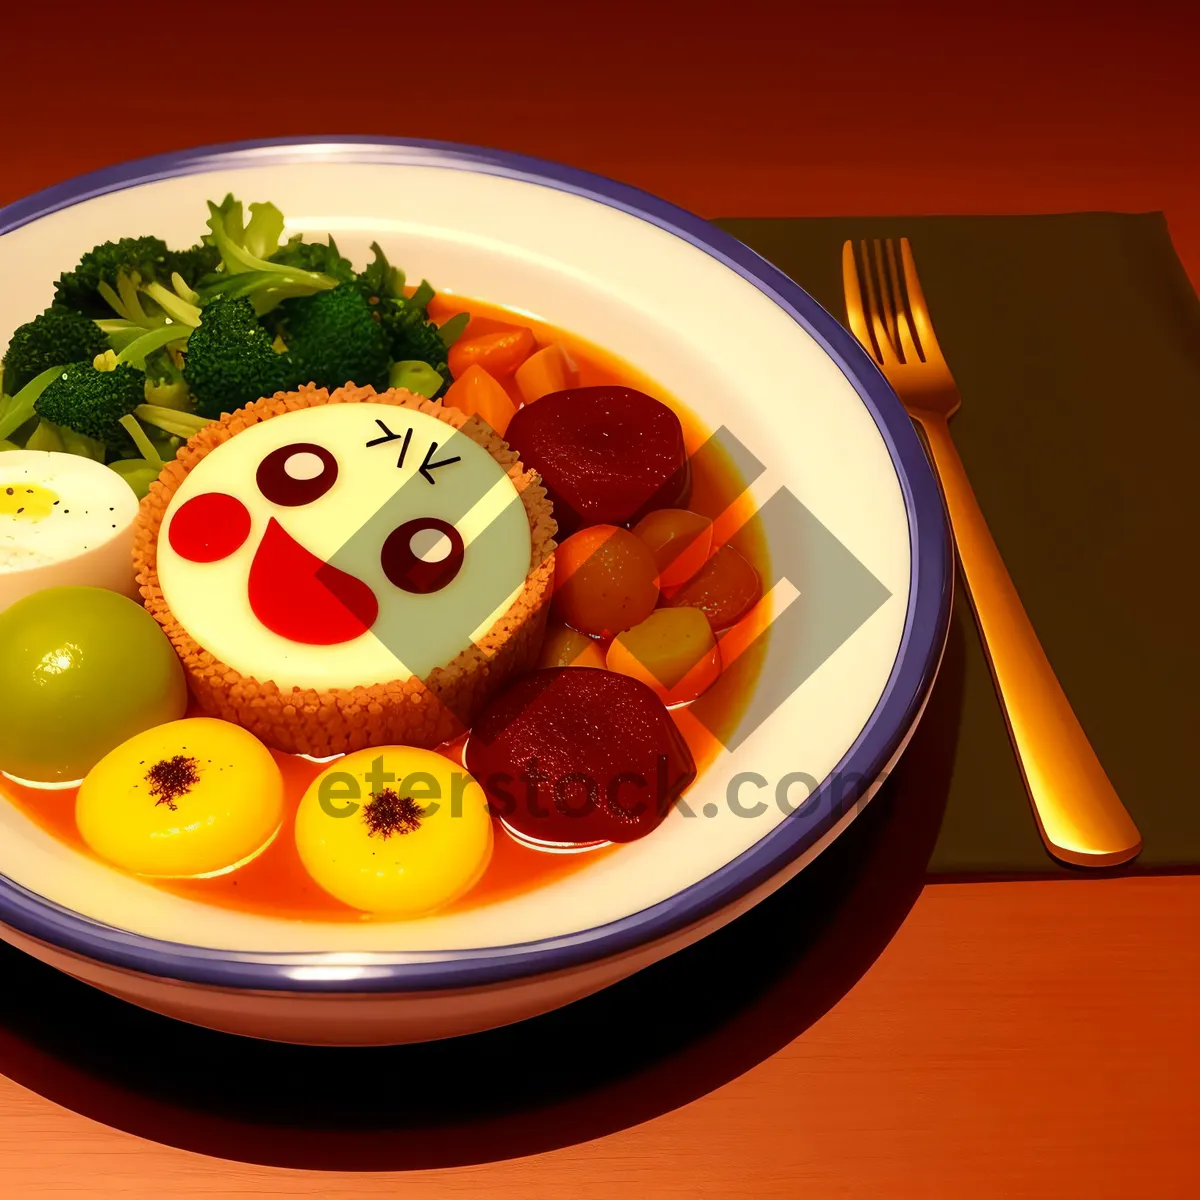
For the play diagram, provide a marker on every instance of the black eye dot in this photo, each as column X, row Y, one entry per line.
column 297, row 474
column 423, row 555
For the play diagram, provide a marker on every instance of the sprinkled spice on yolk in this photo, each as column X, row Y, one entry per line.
column 190, row 798
column 171, row 778
column 28, row 500
column 394, row 830
column 387, row 813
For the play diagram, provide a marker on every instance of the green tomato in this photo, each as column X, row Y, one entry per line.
column 82, row 669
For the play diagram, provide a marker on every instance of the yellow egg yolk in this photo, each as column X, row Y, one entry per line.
column 190, row 798
column 28, row 500
column 394, row 830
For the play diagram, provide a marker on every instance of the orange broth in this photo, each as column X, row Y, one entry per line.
column 276, row 883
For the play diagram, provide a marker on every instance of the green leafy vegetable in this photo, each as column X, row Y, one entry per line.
column 195, row 263
column 171, row 420
column 380, row 280
column 46, row 437
column 139, row 473
column 16, row 410
column 315, row 256
column 450, row 331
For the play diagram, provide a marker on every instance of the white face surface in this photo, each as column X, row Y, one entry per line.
column 309, row 597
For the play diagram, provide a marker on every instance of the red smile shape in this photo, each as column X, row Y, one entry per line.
column 304, row 599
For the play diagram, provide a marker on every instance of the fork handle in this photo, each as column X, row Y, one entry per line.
column 1079, row 814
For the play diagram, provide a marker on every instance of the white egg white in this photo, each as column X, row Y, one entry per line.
column 81, row 533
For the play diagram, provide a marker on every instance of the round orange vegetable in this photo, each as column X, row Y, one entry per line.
column 726, row 588
column 567, row 647
column 679, row 540
column 549, row 370
column 476, row 393
column 605, row 580
column 673, row 651
column 499, row 353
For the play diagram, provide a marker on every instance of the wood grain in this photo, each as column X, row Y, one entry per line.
column 1029, row 1039
column 1017, row 1039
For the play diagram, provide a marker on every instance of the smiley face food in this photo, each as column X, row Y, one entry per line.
column 574, row 757
column 63, row 520
column 348, row 570
column 188, row 799
column 82, row 669
column 394, row 830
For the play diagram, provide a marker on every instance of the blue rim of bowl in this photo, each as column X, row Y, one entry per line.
column 912, row 675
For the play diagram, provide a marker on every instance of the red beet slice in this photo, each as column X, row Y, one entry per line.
column 607, row 455
column 570, row 755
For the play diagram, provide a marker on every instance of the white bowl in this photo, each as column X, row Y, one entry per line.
column 855, row 529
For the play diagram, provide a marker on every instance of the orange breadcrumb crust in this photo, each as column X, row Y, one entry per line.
column 412, row 712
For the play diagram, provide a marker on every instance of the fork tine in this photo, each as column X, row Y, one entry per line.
column 920, row 310
column 885, row 295
column 908, row 347
column 855, row 313
column 885, row 350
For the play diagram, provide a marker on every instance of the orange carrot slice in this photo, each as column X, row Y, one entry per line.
column 477, row 394
column 605, row 581
column 549, row 370
column 679, row 540
column 499, row 354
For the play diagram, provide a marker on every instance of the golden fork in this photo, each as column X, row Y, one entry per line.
column 1079, row 813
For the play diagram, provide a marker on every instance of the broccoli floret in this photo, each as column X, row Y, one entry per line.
column 195, row 263
column 92, row 402
column 230, row 361
column 412, row 337
column 165, row 384
column 380, row 280
column 51, row 339
column 148, row 257
column 315, row 256
column 334, row 339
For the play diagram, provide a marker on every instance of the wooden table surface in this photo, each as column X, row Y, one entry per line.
column 1028, row 1038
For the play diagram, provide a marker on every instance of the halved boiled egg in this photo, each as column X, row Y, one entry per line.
column 190, row 798
column 394, row 830
column 63, row 520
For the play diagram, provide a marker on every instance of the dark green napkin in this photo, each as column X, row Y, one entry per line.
column 1075, row 341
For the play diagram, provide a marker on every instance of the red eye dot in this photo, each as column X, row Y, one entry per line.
column 208, row 528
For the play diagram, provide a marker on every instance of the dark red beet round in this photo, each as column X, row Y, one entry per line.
column 571, row 755
column 607, row 455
